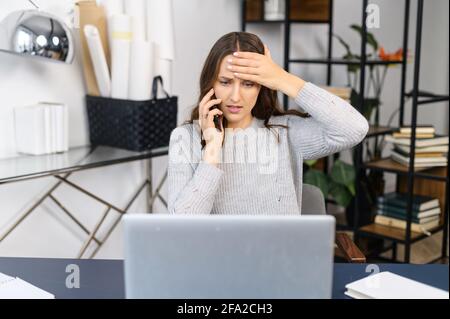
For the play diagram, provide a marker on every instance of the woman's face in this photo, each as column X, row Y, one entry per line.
column 238, row 96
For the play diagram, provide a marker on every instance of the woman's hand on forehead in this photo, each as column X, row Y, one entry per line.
column 261, row 69
column 256, row 67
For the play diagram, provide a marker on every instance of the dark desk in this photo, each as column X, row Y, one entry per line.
column 104, row 278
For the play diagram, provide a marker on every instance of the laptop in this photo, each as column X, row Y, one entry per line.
column 228, row 256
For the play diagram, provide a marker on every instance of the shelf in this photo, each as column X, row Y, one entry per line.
column 425, row 97
column 380, row 130
column 342, row 61
column 392, row 233
column 433, row 100
column 392, row 166
column 289, row 21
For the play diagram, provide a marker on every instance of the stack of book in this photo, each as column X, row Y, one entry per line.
column 431, row 149
column 391, row 211
column 42, row 128
column 342, row 92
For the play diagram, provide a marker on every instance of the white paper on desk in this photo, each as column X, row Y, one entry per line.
column 16, row 288
column 386, row 285
column 4, row 278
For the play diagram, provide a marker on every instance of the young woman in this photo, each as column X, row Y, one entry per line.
column 240, row 153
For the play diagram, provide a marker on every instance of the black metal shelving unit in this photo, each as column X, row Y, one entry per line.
column 287, row 22
column 406, row 237
column 360, row 166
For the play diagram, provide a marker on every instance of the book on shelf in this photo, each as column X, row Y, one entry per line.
column 401, row 212
column 421, row 150
column 420, row 203
column 437, row 140
column 420, row 161
column 420, row 129
column 402, row 216
column 401, row 224
column 42, row 128
column 421, row 154
column 407, row 135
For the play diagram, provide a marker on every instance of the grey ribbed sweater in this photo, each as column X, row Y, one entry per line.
column 261, row 169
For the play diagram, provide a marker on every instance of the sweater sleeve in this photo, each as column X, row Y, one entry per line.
column 334, row 125
column 192, row 184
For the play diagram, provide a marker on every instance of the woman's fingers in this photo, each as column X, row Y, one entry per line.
column 205, row 99
column 214, row 112
column 211, row 115
column 248, row 55
column 247, row 77
column 267, row 52
column 207, row 96
column 209, row 105
column 243, row 69
column 244, row 62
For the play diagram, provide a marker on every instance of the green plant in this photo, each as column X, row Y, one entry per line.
column 340, row 183
column 375, row 82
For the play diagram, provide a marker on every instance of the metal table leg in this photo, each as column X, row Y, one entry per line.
column 92, row 235
column 32, row 208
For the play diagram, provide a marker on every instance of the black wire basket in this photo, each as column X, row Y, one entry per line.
column 132, row 125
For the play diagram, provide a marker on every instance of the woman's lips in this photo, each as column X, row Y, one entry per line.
column 234, row 108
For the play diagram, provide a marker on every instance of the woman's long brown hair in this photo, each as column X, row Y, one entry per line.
column 267, row 102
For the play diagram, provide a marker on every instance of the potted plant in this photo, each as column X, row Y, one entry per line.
column 340, row 183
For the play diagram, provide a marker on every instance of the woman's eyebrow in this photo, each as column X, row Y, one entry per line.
column 225, row 78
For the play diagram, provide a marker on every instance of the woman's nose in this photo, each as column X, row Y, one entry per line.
column 236, row 94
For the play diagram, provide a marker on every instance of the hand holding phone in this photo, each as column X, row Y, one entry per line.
column 211, row 124
column 217, row 117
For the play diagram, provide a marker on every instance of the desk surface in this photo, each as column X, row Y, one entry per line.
column 77, row 158
column 104, row 278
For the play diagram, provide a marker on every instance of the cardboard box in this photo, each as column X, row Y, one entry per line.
column 87, row 12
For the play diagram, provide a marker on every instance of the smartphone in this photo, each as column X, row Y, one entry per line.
column 217, row 118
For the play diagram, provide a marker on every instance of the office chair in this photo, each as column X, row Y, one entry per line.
column 313, row 203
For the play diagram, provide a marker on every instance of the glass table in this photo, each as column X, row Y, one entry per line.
column 62, row 165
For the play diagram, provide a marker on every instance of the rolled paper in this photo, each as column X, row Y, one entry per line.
column 120, row 55
column 98, row 59
column 160, row 27
column 141, row 67
column 164, row 68
column 112, row 7
column 136, row 9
